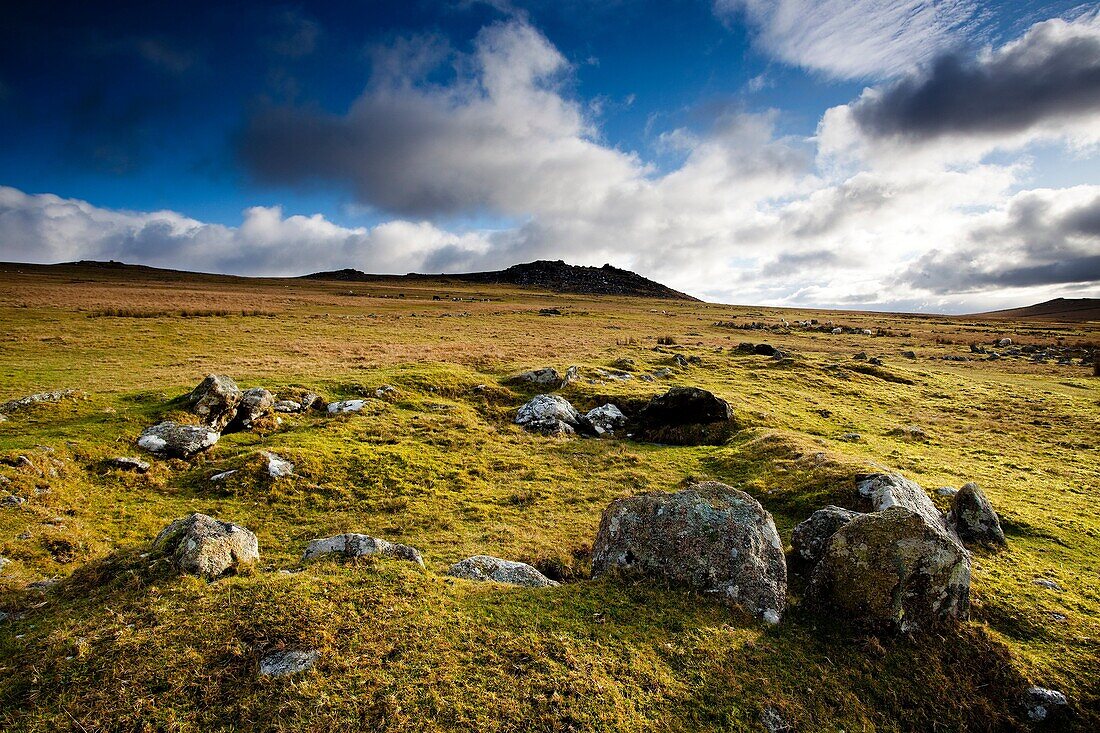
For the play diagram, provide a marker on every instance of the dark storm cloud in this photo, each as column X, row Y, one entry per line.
column 1034, row 246
column 1051, row 74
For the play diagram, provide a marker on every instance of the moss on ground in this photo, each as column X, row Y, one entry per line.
column 121, row 644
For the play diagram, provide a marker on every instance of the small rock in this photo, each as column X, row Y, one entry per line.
column 34, row 399
column 624, row 364
column 1001, row 343
column 861, row 356
column 43, row 585
column 549, row 414
column 973, row 519
column 282, row 664
column 545, row 377
column 215, row 400
column 662, row 373
column 255, row 403
column 277, row 466
column 201, row 545
column 359, row 545
column 910, row 432
column 571, row 375
column 850, row 437
column 485, row 567
column 680, row 361
column 12, row 500
column 909, row 354
column 172, row 439
column 875, row 361
column 605, row 420
column 288, row 406
column 386, row 392
column 223, row 475
column 764, row 350
column 126, row 463
column 346, row 406
column 837, row 330
column 4, row 562
column 311, row 401
column 809, row 538
column 1042, row 704
column 1046, row 583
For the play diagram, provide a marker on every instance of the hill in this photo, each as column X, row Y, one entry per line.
column 553, row 275
column 1059, row 309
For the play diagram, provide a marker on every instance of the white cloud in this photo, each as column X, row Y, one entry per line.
column 852, row 39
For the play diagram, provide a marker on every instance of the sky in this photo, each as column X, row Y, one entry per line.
column 874, row 154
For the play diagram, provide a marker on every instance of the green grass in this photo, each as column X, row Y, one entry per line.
column 122, row 644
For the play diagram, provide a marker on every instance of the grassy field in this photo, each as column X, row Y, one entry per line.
column 120, row 644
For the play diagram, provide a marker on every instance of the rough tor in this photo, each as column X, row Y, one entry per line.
column 710, row 537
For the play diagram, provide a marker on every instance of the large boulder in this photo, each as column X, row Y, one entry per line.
column 884, row 490
column 710, row 537
column 685, row 416
column 486, row 567
column 549, row 414
column 215, row 400
column 255, row 403
column 353, row 546
column 605, row 420
column 972, row 518
column 892, row 569
column 181, row 441
column 808, row 540
column 201, row 545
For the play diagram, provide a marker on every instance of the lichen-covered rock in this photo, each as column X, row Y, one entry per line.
column 685, row 416
column 277, row 466
column 545, row 377
column 255, row 403
column 892, row 569
column 809, row 538
column 201, row 545
column 605, row 420
column 335, row 408
column 973, row 519
column 287, row 406
column 127, row 463
column 285, row 663
column 549, row 414
column 359, row 545
column 182, row 441
column 710, row 537
column 486, row 567
column 884, row 490
column 1043, row 704
column 215, row 400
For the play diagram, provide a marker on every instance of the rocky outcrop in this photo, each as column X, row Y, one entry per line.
column 605, row 420
column 892, row 569
column 972, row 518
column 684, row 416
column 215, row 401
column 181, row 441
column 710, row 537
column 353, row 545
column 201, row 545
column 808, row 540
column 486, row 567
column 549, row 414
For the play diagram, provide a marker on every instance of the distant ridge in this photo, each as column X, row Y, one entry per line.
column 1059, row 309
column 552, row 275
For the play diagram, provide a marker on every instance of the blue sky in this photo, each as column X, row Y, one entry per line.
column 866, row 153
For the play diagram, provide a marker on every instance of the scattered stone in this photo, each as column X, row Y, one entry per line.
column 746, row 347
column 972, row 518
column 4, row 562
column 346, row 406
column 215, row 400
column 837, row 330
column 311, row 401
column 12, row 500
column 550, row 312
column 288, row 406
column 3, row 417
column 624, row 364
column 201, row 545
column 909, row 354
column 850, row 437
column 1042, row 704
column 1001, row 343
column 764, row 350
column 685, row 416
column 1048, row 584
column 277, row 466
column 255, row 403
column 571, row 375
column 545, row 377
column 386, row 392
column 662, row 373
column 861, row 356
column 875, row 361
column 680, row 361
column 485, row 567
column 353, row 545
column 947, row 491
column 710, row 537
column 172, row 439
column 605, row 420
column 646, row 378
column 43, row 585
column 549, row 414
column 910, row 432
column 893, row 569
column 885, row 490
column 285, row 663
column 34, row 399
column 614, row 376
column 868, row 332
column 809, row 538
column 223, row 475
column 126, row 463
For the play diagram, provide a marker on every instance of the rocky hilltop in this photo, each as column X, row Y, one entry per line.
column 553, row 275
